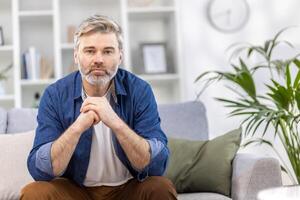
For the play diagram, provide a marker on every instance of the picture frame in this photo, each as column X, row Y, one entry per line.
column 154, row 57
column 1, row 36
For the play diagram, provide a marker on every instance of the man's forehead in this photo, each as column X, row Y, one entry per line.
column 96, row 39
column 94, row 47
column 98, row 34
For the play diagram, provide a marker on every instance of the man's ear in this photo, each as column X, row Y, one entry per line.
column 75, row 55
column 121, row 56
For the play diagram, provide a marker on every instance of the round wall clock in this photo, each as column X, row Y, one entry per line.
column 228, row 15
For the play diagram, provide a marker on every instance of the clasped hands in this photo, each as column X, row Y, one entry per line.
column 96, row 109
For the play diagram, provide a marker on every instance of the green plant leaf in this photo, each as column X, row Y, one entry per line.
column 250, row 50
column 296, row 81
column 281, row 95
column 257, row 141
column 297, row 97
column 280, row 32
column 244, row 79
column 203, row 75
column 296, row 62
column 288, row 76
column 267, row 45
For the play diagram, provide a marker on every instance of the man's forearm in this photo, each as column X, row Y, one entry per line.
column 136, row 148
column 63, row 148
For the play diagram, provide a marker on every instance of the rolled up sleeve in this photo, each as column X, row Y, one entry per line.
column 147, row 125
column 43, row 159
column 48, row 130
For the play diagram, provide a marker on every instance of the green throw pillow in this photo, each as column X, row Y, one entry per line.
column 203, row 166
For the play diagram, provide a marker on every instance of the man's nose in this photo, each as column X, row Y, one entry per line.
column 98, row 58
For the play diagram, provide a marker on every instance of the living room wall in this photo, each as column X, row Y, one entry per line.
column 204, row 48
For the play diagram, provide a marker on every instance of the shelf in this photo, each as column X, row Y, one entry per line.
column 161, row 9
column 158, row 13
column 7, row 97
column 25, row 82
column 67, row 46
column 6, row 48
column 35, row 13
column 47, row 26
column 159, row 77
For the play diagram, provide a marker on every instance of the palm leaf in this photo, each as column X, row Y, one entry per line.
column 203, row 75
column 297, row 97
column 288, row 76
column 296, row 81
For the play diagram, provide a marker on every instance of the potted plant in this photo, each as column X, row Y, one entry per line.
column 277, row 109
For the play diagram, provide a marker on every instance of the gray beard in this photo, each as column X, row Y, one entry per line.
column 97, row 80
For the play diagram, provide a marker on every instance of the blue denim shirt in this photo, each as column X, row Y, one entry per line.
column 60, row 106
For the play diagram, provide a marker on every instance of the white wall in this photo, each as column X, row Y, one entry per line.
column 204, row 48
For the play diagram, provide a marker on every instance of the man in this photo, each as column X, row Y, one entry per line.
column 98, row 134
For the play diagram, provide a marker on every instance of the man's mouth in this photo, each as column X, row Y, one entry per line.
column 98, row 72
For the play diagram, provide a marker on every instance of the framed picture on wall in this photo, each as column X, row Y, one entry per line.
column 154, row 57
column 1, row 36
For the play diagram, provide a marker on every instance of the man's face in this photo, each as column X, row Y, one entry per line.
column 98, row 56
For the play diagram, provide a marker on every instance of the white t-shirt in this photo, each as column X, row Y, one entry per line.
column 105, row 168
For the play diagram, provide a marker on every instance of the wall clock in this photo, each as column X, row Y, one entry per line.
column 228, row 15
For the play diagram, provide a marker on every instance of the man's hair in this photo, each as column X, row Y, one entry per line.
column 98, row 23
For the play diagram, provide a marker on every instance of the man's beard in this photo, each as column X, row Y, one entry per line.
column 97, row 80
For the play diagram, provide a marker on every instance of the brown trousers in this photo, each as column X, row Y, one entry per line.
column 153, row 188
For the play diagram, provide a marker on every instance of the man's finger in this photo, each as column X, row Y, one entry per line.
column 89, row 107
column 85, row 102
column 90, row 100
column 96, row 117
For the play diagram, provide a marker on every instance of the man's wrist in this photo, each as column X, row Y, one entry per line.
column 118, row 125
column 76, row 128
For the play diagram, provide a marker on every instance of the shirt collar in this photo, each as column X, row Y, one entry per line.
column 78, row 85
column 119, row 86
column 110, row 93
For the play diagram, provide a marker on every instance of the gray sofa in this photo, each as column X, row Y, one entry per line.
column 250, row 173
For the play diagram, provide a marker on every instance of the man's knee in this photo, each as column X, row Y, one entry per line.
column 37, row 190
column 161, row 186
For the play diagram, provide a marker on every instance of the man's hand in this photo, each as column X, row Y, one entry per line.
column 136, row 148
column 86, row 119
column 103, row 109
column 63, row 148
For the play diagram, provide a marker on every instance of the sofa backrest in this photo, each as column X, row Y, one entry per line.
column 181, row 120
column 21, row 120
column 3, row 120
column 17, row 120
column 184, row 120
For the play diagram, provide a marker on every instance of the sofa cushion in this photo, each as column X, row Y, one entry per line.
column 202, row 195
column 203, row 166
column 179, row 117
column 14, row 149
column 21, row 119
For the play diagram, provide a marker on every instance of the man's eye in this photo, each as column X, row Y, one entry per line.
column 108, row 52
column 89, row 51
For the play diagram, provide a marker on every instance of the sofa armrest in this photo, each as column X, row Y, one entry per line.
column 251, row 174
